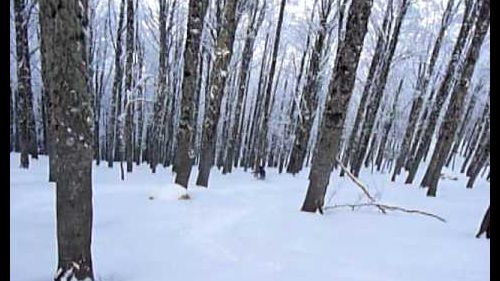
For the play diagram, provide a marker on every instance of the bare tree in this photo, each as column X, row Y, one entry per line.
column 223, row 52
column 455, row 107
column 339, row 94
column 67, row 78
column 441, row 94
column 191, row 61
column 25, row 114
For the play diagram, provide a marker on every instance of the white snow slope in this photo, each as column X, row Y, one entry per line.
column 246, row 229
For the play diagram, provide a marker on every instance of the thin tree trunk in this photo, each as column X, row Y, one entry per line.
column 129, row 103
column 262, row 144
column 116, row 92
column 25, row 114
column 387, row 128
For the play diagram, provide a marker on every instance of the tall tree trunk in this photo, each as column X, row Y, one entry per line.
column 378, row 91
column 381, row 46
column 262, row 144
column 68, row 83
column 481, row 125
column 455, row 107
column 387, row 128
column 223, row 52
column 309, row 101
column 190, row 73
column 113, row 124
column 463, row 126
column 12, row 117
column 234, row 140
column 339, row 94
column 442, row 93
column 422, row 85
column 26, row 117
column 129, row 96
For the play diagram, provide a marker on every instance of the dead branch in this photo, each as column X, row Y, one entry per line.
column 382, row 207
column 358, row 183
column 386, row 207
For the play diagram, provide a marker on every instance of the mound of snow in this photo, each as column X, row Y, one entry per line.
column 170, row 192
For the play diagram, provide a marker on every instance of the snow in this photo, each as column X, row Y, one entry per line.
column 242, row 229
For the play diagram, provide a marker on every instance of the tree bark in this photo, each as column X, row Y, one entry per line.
column 339, row 94
column 452, row 117
column 184, row 153
column 223, row 52
column 25, row 114
column 67, row 78
column 129, row 103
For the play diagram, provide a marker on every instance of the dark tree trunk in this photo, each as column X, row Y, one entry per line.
column 68, row 83
column 223, row 52
column 262, row 143
column 455, row 107
column 129, row 96
column 387, row 128
column 348, row 155
column 27, row 135
column 116, row 92
column 378, row 91
column 339, row 94
column 184, row 153
column 463, row 126
column 485, row 225
column 235, row 137
column 309, row 101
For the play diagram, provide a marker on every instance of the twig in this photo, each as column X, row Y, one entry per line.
column 382, row 207
column 358, row 183
column 387, row 207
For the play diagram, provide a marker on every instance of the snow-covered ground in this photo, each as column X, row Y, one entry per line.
column 246, row 229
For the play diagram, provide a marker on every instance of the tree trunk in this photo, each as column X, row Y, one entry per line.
column 455, row 107
column 184, row 153
column 235, row 137
column 339, row 94
column 116, row 92
column 463, row 126
column 378, row 91
column 485, row 225
column 25, row 114
column 129, row 103
column 387, row 128
column 262, row 144
column 68, row 83
column 309, row 101
column 442, row 94
column 223, row 52
column 348, row 155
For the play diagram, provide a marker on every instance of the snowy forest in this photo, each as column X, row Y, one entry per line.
column 249, row 140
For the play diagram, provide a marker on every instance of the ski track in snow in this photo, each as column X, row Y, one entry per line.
column 241, row 228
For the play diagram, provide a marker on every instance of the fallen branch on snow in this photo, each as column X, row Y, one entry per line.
column 382, row 207
column 386, row 208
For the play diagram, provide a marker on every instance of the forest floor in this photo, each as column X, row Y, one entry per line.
column 242, row 229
